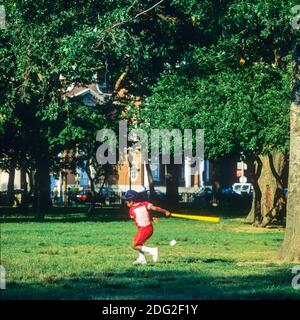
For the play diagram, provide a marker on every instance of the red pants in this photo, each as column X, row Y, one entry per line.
column 143, row 234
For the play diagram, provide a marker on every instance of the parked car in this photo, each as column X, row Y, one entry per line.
column 203, row 196
column 158, row 199
column 226, row 197
column 106, row 194
column 83, row 196
column 241, row 188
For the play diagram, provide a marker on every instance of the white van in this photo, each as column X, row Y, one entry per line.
column 240, row 188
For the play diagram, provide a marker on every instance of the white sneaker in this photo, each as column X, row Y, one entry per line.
column 154, row 254
column 140, row 261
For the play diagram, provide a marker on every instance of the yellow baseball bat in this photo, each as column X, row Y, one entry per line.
column 199, row 218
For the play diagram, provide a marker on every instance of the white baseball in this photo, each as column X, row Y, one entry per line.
column 172, row 243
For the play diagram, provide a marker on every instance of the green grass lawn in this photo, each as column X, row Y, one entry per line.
column 72, row 257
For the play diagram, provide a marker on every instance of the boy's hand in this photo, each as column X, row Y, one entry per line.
column 168, row 213
column 155, row 219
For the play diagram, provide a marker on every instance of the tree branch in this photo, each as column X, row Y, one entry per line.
column 121, row 78
column 134, row 17
column 151, row 8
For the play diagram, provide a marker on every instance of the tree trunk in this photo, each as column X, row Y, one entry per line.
column 290, row 250
column 172, row 182
column 31, row 181
column 153, row 196
column 93, row 198
column 256, row 202
column 91, row 209
column 64, row 175
column 24, row 187
column 42, row 185
column 216, row 182
column 269, row 201
column 271, row 183
column 10, row 185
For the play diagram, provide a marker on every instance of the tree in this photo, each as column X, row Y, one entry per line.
column 86, row 158
column 48, row 46
column 290, row 250
column 235, row 86
column 233, row 107
column 33, row 100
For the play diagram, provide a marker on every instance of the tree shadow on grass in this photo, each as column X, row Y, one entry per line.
column 100, row 215
column 146, row 282
column 80, row 214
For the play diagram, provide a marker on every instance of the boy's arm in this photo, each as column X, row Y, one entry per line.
column 158, row 209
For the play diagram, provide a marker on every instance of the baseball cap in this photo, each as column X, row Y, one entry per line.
column 131, row 195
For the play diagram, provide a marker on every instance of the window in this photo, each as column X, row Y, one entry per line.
column 83, row 179
column 181, row 173
column 134, row 172
column 155, row 171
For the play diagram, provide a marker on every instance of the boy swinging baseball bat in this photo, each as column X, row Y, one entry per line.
column 140, row 212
